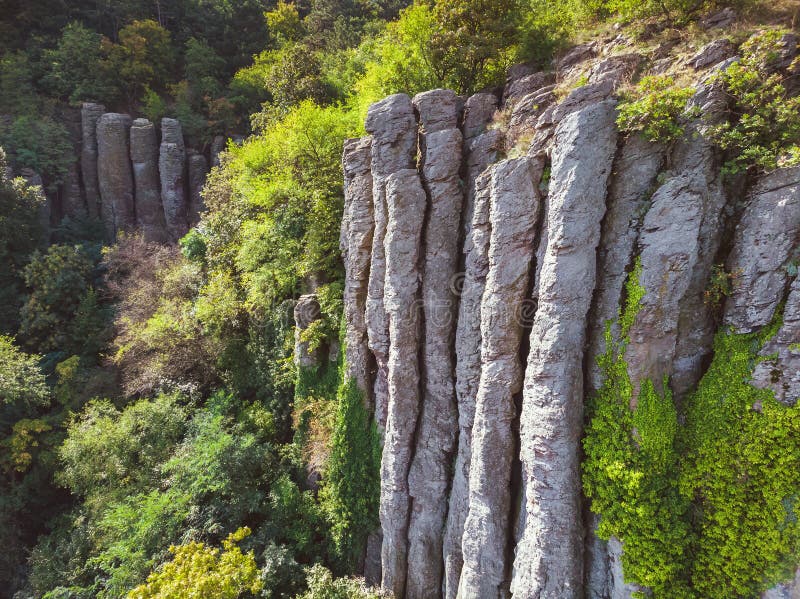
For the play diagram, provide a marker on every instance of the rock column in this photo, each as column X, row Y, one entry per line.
column 114, row 174
column 144, row 157
column 198, row 170
column 429, row 476
column 172, row 169
column 405, row 200
column 549, row 557
column 514, row 210
column 90, row 114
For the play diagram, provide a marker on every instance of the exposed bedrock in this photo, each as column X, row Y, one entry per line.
column 514, row 210
column 197, row 166
column 71, row 193
column 468, row 372
column 90, row 113
column 765, row 239
column 114, row 175
column 358, row 224
column 393, row 128
column 172, row 170
column 549, row 555
column 144, row 159
column 306, row 311
column 405, row 202
column 430, row 472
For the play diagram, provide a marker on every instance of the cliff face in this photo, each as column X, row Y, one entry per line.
column 480, row 281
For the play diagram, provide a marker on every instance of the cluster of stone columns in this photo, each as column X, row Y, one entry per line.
column 132, row 180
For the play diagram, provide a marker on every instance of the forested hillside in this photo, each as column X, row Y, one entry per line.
column 177, row 415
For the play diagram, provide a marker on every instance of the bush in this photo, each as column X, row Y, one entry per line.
column 322, row 585
column 656, row 109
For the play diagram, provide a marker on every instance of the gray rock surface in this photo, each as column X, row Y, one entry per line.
column 198, row 169
column 478, row 111
column 430, row 472
column 358, row 224
column 90, row 113
column 393, row 128
column 549, row 556
column 765, row 239
column 514, row 210
column 577, row 54
column 468, row 372
column 712, row 53
column 780, row 369
column 479, row 152
column 405, row 200
column 519, row 88
column 172, row 170
column 114, row 174
column 144, row 159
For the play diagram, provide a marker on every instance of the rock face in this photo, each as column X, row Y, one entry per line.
column 172, row 169
column 306, row 311
column 514, row 210
column 90, row 114
column 114, row 173
column 144, row 158
column 477, row 294
column 405, row 201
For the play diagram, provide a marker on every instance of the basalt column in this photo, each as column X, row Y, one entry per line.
column 114, row 173
column 429, row 476
column 90, row 114
column 514, row 210
column 172, row 169
column 358, row 224
column 394, row 142
column 549, row 555
column 144, row 157
column 198, row 169
column 405, row 200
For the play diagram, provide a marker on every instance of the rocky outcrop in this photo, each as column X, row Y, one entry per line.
column 217, row 147
column 198, row 170
column 549, row 555
column 405, row 201
column 172, row 169
column 358, row 224
column 114, row 173
column 514, row 210
column 144, row 159
column 393, row 128
column 766, row 238
column 90, row 114
column 306, row 311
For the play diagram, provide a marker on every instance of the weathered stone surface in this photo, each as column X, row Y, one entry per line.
column 635, row 172
column 114, row 174
column 358, row 224
column 429, row 476
column 144, row 159
column 198, row 169
column 71, row 194
column 468, row 372
column 478, row 111
column 172, row 169
column 217, row 147
column 405, row 200
column 765, row 238
column 578, row 98
column 616, row 69
column 576, row 55
column 480, row 152
column 723, row 18
column 549, row 556
column 514, row 210
column 787, row 590
column 393, row 128
column 519, row 88
column 306, row 311
column 712, row 53
column 90, row 113
column 780, row 369
column 526, row 113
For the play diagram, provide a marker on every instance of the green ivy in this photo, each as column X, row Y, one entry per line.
column 655, row 109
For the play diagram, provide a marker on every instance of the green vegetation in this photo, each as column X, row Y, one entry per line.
column 656, row 109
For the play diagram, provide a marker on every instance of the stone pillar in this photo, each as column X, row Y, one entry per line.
column 90, row 114
column 144, row 158
column 114, row 174
column 172, row 169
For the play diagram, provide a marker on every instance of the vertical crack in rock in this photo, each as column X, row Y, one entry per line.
column 198, row 169
column 358, row 224
column 114, row 176
column 172, row 168
column 405, row 201
column 763, row 243
column 393, row 128
column 514, row 210
column 634, row 176
column 780, row 368
column 90, row 114
column 144, row 158
column 549, row 557
column 429, row 475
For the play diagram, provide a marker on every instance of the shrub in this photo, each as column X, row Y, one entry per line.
column 656, row 109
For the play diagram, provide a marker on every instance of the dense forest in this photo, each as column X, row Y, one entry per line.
column 159, row 436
